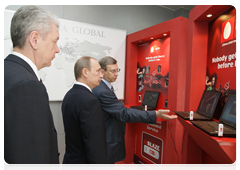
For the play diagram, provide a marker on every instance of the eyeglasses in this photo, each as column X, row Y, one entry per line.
column 114, row 71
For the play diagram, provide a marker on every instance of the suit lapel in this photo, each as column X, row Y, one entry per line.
column 103, row 85
column 20, row 61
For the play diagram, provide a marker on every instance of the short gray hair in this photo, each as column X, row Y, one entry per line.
column 106, row 61
column 81, row 63
column 30, row 18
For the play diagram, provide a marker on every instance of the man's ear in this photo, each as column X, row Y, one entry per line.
column 85, row 72
column 34, row 39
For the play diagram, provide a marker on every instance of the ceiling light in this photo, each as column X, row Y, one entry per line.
column 209, row 15
column 151, row 38
column 164, row 34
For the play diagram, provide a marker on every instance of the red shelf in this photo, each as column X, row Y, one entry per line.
column 221, row 149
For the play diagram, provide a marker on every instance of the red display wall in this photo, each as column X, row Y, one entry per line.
column 153, row 69
column 150, row 142
column 208, row 163
column 152, row 75
column 204, row 44
column 190, row 47
column 221, row 60
column 163, row 134
column 199, row 48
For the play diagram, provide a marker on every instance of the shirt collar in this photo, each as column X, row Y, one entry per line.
column 80, row 83
column 107, row 83
column 30, row 63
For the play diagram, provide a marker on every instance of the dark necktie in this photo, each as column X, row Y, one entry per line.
column 112, row 89
column 41, row 80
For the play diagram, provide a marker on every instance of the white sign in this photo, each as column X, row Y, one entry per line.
column 76, row 40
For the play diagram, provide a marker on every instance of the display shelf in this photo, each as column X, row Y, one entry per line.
column 220, row 149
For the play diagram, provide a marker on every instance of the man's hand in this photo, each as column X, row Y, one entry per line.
column 162, row 114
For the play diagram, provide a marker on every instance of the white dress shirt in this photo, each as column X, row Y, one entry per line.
column 107, row 83
column 80, row 83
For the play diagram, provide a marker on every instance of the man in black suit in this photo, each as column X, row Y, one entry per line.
column 116, row 115
column 29, row 133
column 83, row 118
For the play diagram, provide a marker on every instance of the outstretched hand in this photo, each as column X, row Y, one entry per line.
column 163, row 114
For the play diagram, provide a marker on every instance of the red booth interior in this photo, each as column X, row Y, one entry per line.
column 183, row 55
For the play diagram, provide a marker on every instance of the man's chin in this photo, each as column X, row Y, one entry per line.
column 97, row 84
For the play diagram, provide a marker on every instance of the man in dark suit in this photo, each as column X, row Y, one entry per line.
column 83, row 119
column 29, row 133
column 116, row 115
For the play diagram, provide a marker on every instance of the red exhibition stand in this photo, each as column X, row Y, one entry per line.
column 177, row 28
column 200, row 148
column 179, row 140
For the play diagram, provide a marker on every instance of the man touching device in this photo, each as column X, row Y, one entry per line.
column 116, row 115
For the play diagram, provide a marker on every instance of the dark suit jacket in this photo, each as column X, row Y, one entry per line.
column 116, row 115
column 85, row 132
column 29, row 133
